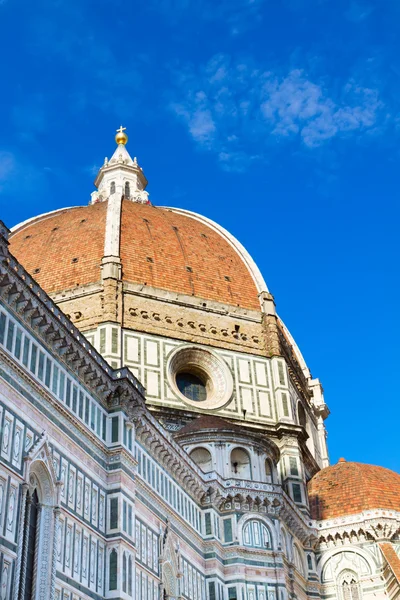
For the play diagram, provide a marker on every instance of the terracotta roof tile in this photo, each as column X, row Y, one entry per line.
column 159, row 248
column 350, row 488
column 391, row 558
column 64, row 249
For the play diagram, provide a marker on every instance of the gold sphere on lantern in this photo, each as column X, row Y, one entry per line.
column 121, row 137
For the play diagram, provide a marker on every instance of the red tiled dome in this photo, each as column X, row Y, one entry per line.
column 349, row 488
column 159, row 248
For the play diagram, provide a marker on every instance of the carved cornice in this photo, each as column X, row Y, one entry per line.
column 25, row 298
column 375, row 525
column 162, row 448
column 295, row 370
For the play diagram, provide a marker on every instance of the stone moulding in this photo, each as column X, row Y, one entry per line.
column 29, row 302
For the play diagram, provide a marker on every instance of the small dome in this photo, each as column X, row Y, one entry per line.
column 160, row 247
column 349, row 488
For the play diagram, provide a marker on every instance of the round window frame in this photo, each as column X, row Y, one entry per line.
column 218, row 378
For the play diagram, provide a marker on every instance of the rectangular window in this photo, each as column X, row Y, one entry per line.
column 232, row 594
column 129, row 519
column 297, row 492
column 114, row 340
column 104, row 426
column 293, row 466
column 211, row 591
column 81, row 403
column 124, row 516
column 25, row 355
column 93, row 416
column 281, row 373
column 74, row 398
column 41, row 366
column 228, row 530
column 47, row 377
column 54, row 385
column 18, row 344
column 98, row 428
column 10, row 335
column 2, row 327
column 87, row 409
column 62, row 386
column 33, row 358
column 114, row 513
column 68, row 393
column 285, row 405
column 207, row 518
column 114, row 430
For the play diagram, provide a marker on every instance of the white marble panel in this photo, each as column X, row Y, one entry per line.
column 244, row 371
column 247, row 399
column 261, row 373
column 265, row 403
column 7, row 435
column 152, row 383
column 152, row 353
column 132, row 348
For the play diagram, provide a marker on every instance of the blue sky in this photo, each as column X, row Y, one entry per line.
column 279, row 119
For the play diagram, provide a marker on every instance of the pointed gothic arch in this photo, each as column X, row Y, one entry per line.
column 170, row 566
column 349, row 586
column 35, row 567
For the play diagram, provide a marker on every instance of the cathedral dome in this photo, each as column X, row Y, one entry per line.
column 160, row 247
column 349, row 488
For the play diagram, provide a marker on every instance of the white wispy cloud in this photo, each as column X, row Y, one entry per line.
column 230, row 107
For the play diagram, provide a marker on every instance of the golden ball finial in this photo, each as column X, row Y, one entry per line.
column 121, row 137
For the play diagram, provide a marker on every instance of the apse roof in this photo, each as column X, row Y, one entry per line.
column 350, row 488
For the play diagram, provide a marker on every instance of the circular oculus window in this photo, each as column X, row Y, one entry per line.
column 199, row 377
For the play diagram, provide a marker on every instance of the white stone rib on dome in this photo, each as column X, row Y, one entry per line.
column 236, row 245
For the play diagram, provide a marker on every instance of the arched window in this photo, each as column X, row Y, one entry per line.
column 113, row 575
column 283, row 542
column 112, row 187
column 38, row 526
column 202, row 458
column 256, row 535
column 240, row 463
column 268, row 471
column 309, row 562
column 350, row 586
column 130, row 575
column 301, row 415
column 127, row 192
column 31, row 530
column 124, row 573
column 298, row 560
